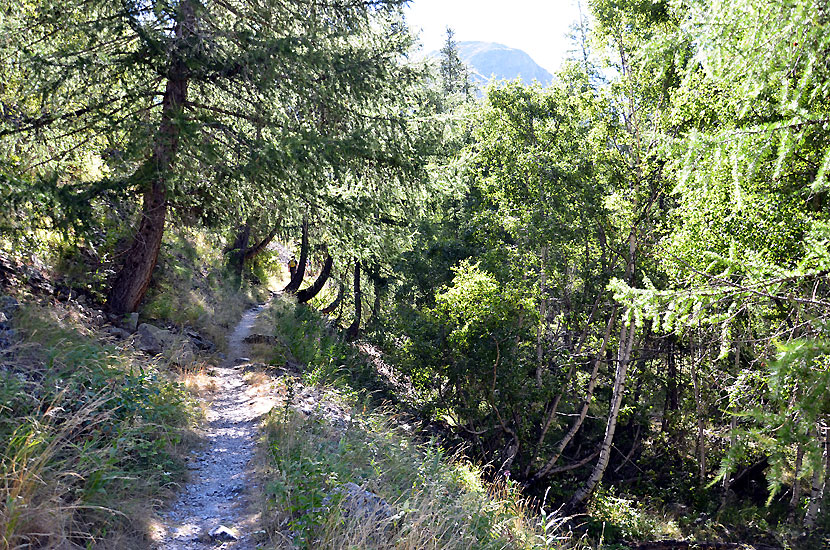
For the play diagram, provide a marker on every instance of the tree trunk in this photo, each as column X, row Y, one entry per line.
column 796, row 496
column 332, row 306
column 671, row 402
column 379, row 285
column 307, row 294
column 132, row 280
column 236, row 252
column 540, row 329
column 553, row 405
column 589, row 393
column 251, row 252
column 820, row 475
column 297, row 278
column 733, row 428
column 701, row 439
column 623, row 357
column 354, row 328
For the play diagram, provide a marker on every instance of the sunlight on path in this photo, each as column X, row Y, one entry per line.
column 218, row 494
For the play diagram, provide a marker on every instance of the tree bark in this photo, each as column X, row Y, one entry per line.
column 251, row 252
column 796, row 496
column 589, row 393
column 379, row 285
column 623, row 357
column 540, row 329
column 354, row 328
column 307, row 294
column 236, row 250
column 701, row 439
column 297, row 279
column 820, row 475
column 132, row 280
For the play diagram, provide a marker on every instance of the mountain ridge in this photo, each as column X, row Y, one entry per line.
column 493, row 61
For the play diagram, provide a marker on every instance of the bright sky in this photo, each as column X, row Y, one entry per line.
column 539, row 27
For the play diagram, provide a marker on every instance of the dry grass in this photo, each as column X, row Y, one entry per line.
column 440, row 501
column 89, row 437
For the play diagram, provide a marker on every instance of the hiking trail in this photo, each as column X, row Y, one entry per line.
column 216, row 508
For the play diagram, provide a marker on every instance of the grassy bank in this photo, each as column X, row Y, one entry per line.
column 90, row 435
column 435, row 499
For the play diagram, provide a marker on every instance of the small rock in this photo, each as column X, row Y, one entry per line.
column 260, row 339
column 131, row 322
column 363, row 504
column 222, row 533
column 117, row 332
column 151, row 339
column 8, row 304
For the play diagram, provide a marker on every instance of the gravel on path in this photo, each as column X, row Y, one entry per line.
column 219, row 494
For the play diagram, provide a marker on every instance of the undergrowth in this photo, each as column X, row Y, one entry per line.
column 88, row 436
column 304, row 339
column 192, row 287
column 439, row 501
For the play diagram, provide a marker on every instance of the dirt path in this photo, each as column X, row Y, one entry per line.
column 219, row 492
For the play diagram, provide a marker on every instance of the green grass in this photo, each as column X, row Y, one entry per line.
column 89, row 436
column 440, row 501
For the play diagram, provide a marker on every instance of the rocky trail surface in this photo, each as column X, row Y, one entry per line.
column 216, row 509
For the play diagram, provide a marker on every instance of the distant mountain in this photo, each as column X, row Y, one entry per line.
column 490, row 60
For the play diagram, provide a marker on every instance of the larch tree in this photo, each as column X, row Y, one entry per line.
column 202, row 106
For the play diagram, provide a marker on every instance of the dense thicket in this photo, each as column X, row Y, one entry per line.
column 632, row 263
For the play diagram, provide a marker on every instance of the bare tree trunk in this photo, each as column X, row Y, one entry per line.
column 623, row 358
column 701, row 438
column 297, row 278
column 251, row 252
column 132, row 280
column 540, row 329
column 354, row 328
column 671, row 402
column 796, row 497
column 733, row 426
column 589, row 393
column 379, row 284
column 820, row 475
column 553, row 406
column 307, row 294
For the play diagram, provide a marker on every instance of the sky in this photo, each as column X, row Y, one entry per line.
column 539, row 27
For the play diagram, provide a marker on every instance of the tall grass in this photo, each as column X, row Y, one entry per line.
column 88, row 436
column 439, row 501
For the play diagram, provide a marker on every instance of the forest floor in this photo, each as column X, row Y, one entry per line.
column 219, row 503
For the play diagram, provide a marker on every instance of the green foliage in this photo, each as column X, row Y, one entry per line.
column 69, row 403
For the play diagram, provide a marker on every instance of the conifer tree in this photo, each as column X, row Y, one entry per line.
column 210, row 107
